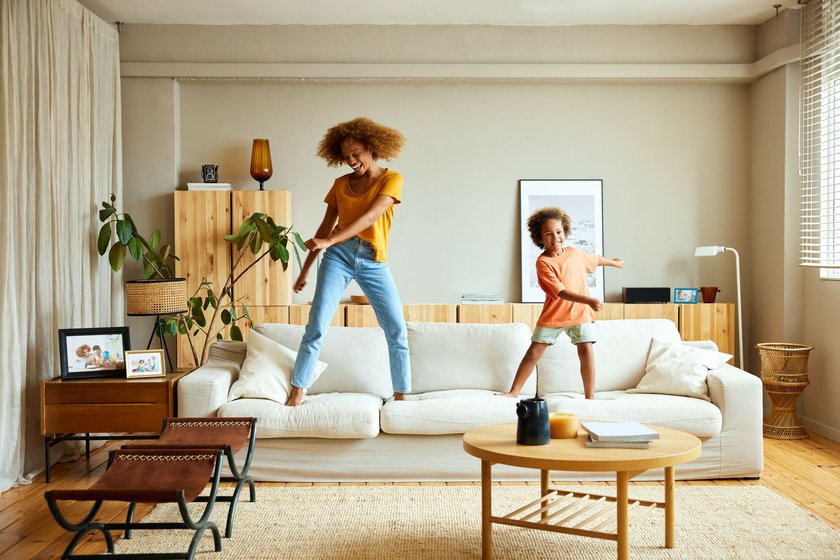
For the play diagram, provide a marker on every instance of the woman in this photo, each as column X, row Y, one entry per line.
column 354, row 238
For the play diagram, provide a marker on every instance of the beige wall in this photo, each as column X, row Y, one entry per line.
column 684, row 163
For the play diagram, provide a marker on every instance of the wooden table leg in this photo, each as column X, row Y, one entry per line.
column 669, row 507
column 622, row 525
column 486, row 526
column 544, row 489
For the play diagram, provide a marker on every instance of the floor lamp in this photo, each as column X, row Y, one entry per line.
column 161, row 296
column 711, row 251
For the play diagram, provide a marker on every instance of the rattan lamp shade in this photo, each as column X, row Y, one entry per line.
column 164, row 296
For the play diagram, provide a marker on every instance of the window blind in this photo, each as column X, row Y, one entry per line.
column 819, row 135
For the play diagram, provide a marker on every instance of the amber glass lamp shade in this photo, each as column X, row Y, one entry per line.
column 261, row 161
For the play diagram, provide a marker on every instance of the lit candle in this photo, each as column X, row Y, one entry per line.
column 563, row 425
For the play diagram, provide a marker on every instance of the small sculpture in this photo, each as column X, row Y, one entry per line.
column 209, row 173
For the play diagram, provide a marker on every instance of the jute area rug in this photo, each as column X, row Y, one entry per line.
column 444, row 522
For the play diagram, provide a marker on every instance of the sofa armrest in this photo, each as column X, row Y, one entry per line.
column 205, row 389
column 738, row 395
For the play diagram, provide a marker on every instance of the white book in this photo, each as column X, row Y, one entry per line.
column 209, row 187
column 618, row 444
column 619, row 431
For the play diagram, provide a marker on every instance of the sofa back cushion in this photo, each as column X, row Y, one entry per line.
column 620, row 356
column 447, row 356
column 357, row 358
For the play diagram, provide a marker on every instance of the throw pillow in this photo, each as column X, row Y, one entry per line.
column 267, row 370
column 674, row 368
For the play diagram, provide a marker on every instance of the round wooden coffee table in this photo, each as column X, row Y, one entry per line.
column 497, row 444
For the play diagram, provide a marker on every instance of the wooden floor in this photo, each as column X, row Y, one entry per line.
column 806, row 472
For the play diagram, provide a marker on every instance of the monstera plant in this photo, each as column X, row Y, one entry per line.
column 211, row 310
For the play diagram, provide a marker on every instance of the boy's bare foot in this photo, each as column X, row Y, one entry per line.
column 399, row 396
column 508, row 394
column 295, row 397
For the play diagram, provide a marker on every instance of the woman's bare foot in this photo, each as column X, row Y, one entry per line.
column 510, row 395
column 399, row 396
column 295, row 397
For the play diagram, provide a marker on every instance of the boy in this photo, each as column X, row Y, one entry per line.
column 561, row 273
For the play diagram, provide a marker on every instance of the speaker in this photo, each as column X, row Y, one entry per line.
column 645, row 295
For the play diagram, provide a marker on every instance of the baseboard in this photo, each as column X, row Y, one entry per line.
column 826, row 431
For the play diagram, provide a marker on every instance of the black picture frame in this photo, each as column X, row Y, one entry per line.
column 103, row 357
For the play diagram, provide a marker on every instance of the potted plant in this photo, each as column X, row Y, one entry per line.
column 199, row 313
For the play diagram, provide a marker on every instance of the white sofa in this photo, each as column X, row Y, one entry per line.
column 349, row 429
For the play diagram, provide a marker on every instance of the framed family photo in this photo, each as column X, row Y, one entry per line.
column 94, row 352
column 144, row 363
column 686, row 295
column 582, row 200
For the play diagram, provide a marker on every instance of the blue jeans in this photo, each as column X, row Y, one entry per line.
column 353, row 260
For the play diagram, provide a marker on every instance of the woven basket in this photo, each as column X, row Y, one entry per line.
column 783, row 362
column 163, row 296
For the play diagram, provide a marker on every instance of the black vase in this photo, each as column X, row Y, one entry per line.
column 533, row 428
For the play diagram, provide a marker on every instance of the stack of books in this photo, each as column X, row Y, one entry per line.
column 478, row 299
column 631, row 435
column 209, row 187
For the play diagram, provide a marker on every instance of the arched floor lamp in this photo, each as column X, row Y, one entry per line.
column 711, row 251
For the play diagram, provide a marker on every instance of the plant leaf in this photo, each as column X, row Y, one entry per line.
column 297, row 256
column 164, row 252
column 299, row 241
column 104, row 239
column 135, row 248
column 264, row 230
column 226, row 316
column 198, row 317
column 124, row 231
column 219, row 336
column 235, row 333
column 106, row 213
column 245, row 312
column 154, row 240
column 256, row 243
column 116, row 256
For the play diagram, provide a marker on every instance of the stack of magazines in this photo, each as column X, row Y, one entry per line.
column 477, row 299
column 209, row 187
column 631, row 435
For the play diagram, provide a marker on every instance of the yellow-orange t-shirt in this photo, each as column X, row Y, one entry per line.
column 565, row 272
column 351, row 206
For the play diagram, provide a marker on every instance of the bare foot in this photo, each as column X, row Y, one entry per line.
column 399, row 396
column 508, row 394
column 295, row 397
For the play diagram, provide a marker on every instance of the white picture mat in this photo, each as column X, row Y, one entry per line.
column 583, row 200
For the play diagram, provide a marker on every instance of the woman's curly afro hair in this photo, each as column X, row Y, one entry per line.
column 541, row 216
column 383, row 142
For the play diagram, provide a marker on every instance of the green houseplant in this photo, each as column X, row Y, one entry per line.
column 258, row 234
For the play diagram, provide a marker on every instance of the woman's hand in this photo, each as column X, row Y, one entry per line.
column 300, row 283
column 618, row 263
column 316, row 244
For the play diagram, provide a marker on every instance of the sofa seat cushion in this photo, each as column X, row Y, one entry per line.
column 327, row 415
column 695, row 416
column 446, row 412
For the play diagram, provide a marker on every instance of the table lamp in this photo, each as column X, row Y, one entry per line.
column 711, row 251
column 161, row 296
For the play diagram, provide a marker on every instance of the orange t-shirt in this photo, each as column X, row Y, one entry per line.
column 351, row 206
column 565, row 272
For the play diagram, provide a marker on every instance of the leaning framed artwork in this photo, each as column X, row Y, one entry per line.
column 582, row 199
column 144, row 363
column 686, row 295
column 94, row 352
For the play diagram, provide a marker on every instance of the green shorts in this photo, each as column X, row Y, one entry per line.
column 584, row 332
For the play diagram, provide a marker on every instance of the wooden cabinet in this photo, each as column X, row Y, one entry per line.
column 202, row 219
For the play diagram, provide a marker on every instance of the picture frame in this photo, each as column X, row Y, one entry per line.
column 145, row 363
column 582, row 199
column 87, row 353
column 686, row 295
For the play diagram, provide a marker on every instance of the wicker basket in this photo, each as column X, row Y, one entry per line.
column 163, row 296
column 784, row 373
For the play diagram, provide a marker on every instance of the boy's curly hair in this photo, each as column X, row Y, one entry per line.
column 541, row 216
column 383, row 142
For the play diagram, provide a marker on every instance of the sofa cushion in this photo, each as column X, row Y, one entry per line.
column 346, row 415
column 695, row 416
column 447, row 356
column 620, row 356
column 266, row 371
column 358, row 358
column 446, row 412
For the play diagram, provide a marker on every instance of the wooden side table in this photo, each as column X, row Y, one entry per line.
column 107, row 405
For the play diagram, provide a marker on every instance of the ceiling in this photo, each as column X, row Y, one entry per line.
column 438, row 12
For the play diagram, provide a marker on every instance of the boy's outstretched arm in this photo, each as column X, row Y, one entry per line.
column 595, row 303
column 617, row 263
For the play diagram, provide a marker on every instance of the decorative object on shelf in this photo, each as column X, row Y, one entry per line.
column 784, row 373
column 532, row 428
column 209, row 173
column 645, row 295
column 582, row 200
column 711, row 251
column 709, row 293
column 686, row 295
column 158, row 297
column 261, row 161
column 144, row 363
column 93, row 352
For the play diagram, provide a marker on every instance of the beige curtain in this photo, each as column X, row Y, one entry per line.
column 60, row 156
